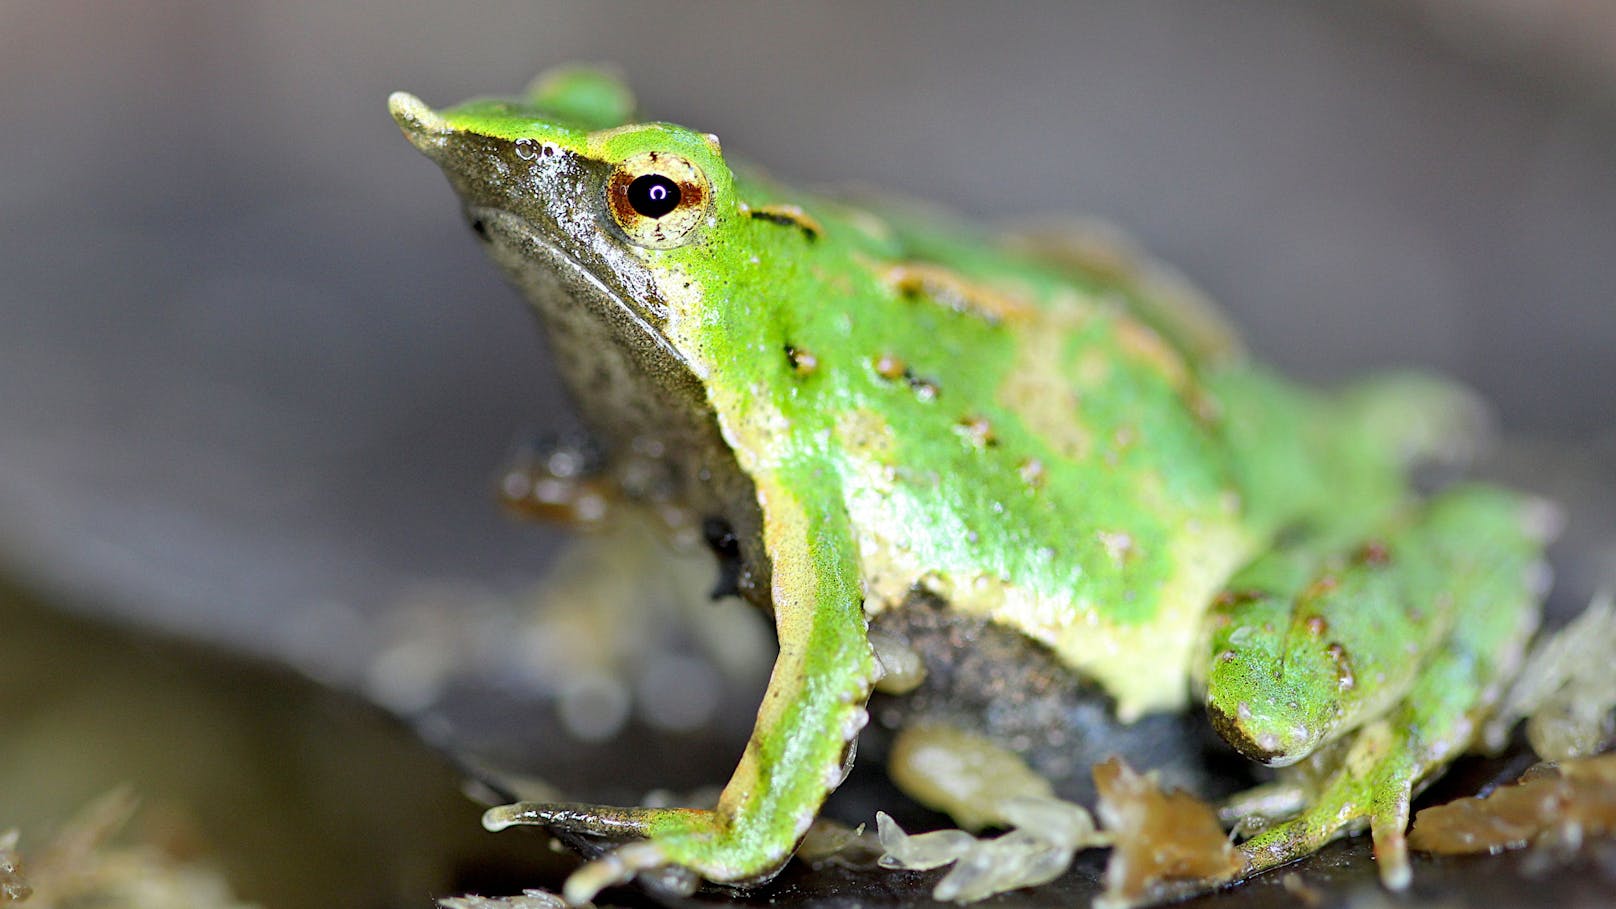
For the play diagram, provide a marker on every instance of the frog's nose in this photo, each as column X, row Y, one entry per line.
column 421, row 124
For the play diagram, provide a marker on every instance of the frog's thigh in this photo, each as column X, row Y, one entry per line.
column 1401, row 646
column 1154, row 291
column 965, row 775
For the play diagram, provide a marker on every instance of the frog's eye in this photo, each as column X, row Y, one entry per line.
column 657, row 198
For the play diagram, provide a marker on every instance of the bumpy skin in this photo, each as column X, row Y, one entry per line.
column 876, row 397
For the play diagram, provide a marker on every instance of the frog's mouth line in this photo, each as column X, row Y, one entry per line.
column 525, row 252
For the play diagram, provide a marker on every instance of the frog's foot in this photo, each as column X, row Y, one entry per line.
column 689, row 843
column 572, row 483
column 558, row 483
column 1374, row 783
column 981, row 784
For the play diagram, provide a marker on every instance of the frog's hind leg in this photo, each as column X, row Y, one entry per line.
column 1425, row 421
column 1376, row 668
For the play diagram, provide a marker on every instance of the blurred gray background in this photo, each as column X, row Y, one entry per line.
column 255, row 378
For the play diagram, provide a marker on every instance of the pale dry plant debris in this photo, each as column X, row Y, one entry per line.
column 1045, row 834
column 83, row 867
column 13, row 886
column 1169, row 843
column 1566, row 690
column 1166, row 844
column 1551, row 803
column 529, row 899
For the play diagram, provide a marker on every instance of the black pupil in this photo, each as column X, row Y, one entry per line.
column 653, row 195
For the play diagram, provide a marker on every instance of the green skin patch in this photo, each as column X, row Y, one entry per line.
column 908, row 400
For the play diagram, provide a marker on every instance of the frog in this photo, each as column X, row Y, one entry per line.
column 865, row 400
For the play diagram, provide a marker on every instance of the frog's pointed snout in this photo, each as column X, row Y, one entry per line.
column 422, row 125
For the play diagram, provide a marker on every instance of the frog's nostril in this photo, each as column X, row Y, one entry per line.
column 480, row 228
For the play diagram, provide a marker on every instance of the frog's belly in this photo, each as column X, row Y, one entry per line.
column 997, row 683
column 1142, row 660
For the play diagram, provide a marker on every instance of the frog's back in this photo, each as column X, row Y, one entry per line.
column 1014, row 438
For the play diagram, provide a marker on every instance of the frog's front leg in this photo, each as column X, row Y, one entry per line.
column 800, row 747
column 559, row 482
column 1400, row 648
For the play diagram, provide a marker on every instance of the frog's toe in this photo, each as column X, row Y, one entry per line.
column 654, row 827
column 619, row 866
column 1388, row 827
column 568, row 817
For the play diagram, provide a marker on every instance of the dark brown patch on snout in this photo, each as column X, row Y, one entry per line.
column 1229, row 729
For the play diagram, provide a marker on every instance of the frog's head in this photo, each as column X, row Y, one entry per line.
column 600, row 221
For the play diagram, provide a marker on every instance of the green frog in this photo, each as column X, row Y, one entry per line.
column 865, row 401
